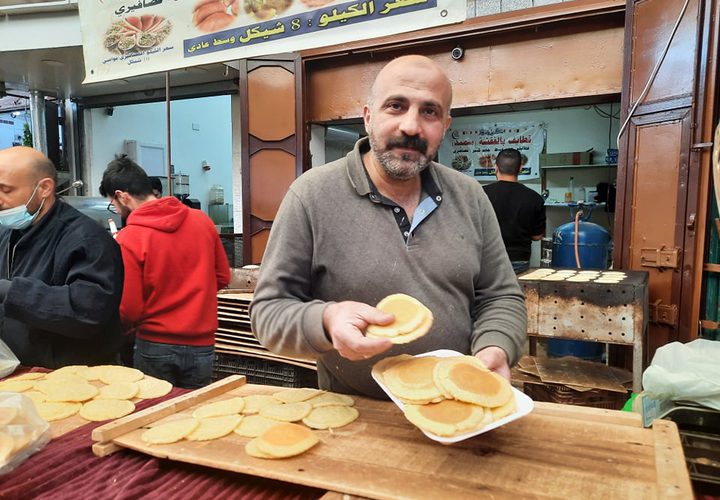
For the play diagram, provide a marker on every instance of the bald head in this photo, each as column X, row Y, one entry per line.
column 27, row 177
column 413, row 70
column 28, row 162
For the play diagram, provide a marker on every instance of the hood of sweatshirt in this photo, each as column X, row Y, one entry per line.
column 166, row 214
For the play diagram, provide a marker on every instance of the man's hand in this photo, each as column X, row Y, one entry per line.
column 345, row 323
column 495, row 359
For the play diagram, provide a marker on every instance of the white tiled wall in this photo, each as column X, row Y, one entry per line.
column 477, row 8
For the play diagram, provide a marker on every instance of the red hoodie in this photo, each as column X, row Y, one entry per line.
column 174, row 266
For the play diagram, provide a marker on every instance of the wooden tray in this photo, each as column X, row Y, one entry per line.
column 556, row 451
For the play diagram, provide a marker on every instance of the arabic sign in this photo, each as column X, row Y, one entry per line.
column 472, row 149
column 134, row 37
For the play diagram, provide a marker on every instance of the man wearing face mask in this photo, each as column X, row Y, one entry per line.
column 387, row 219
column 61, row 273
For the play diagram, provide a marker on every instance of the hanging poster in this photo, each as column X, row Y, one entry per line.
column 134, row 37
column 472, row 149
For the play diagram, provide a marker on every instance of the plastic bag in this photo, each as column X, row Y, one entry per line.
column 8, row 360
column 22, row 431
column 689, row 372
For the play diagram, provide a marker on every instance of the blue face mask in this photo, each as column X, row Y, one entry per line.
column 19, row 217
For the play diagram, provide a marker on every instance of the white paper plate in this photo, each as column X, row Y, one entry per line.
column 522, row 401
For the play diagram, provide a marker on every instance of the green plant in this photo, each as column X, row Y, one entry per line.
column 27, row 136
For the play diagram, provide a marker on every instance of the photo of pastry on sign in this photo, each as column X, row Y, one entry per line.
column 461, row 162
column 136, row 33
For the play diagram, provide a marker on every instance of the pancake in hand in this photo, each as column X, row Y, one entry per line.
column 412, row 319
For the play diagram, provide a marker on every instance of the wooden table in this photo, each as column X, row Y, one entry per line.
column 556, row 451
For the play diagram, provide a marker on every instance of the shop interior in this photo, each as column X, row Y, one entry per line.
column 578, row 128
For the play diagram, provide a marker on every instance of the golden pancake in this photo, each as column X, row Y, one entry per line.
column 252, row 449
column 35, row 396
column 14, row 385
column 255, row 402
column 409, row 314
column 467, row 379
column 92, row 372
column 7, row 415
column 383, row 365
column 29, row 376
column 331, row 399
column 286, row 440
column 412, row 380
column 214, row 427
column 232, row 406
column 66, row 378
column 287, row 412
column 60, row 390
column 446, row 418
column 296, row 395
column 7, row 447
column 504, row 410
column 330, row 417
column 415, row 334
column 170, row 432
column 118, row 390
column 254, row 425
column 98, row 410
column 151, row 387
column 554, row 277
column 115, row 373
column 52, row 410
column 66, row 370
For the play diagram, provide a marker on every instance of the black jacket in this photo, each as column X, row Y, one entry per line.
column 61, row 304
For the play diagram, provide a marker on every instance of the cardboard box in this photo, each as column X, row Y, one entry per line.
column 571, row 158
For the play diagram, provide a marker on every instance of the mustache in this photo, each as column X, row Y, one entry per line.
column 409, row 142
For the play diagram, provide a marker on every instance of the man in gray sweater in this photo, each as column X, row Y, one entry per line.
column 387, row 219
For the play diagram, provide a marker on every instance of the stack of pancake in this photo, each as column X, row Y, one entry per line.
column 412, row 319
column 446, row 396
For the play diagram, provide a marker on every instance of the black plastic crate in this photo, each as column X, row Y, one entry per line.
column 263, row 371
column 233, row 245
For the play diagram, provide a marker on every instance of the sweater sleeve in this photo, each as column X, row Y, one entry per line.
column 132, row 304
column 222, row 267
column 284, row 317
column 499, row 310
column 89, row 295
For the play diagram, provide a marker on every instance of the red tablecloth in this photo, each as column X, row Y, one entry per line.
column 67, row 468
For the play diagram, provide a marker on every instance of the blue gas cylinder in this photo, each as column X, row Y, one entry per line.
column 593, row 247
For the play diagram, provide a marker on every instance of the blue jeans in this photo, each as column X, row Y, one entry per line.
column 185, row 366
column 520, row 266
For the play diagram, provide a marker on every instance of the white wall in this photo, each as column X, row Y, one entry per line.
column 568, row 129
column 212, row 142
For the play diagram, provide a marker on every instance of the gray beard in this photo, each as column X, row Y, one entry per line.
column 401, row 169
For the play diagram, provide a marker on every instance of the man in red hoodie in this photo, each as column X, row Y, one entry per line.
column 174, row 266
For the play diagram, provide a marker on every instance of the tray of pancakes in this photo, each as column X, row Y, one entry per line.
column 450, row 397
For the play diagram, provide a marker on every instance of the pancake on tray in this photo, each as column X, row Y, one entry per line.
column 331, row 417
column 446, row 418
column 283, row 440
column 412, row 381
column 467, row 379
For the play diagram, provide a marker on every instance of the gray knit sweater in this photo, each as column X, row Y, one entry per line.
column 331, row 243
